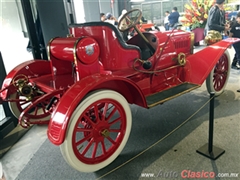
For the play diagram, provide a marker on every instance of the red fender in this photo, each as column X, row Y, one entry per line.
column 200, row 64
column 32, row 68
column 70, row 100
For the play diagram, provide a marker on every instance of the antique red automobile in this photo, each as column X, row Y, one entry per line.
column 84, row 90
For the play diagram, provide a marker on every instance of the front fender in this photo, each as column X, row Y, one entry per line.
column 200, row 64
column 71, row 99
column 32, row 68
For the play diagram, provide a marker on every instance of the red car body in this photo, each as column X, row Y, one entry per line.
column 95, row 58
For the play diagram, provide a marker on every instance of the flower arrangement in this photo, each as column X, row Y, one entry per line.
column 196, row 13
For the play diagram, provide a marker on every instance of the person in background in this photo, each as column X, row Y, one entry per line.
column 173, row 18
column 102, row 17
column 216, row 18
column 143, row 20
column 111, row 19
column 124, row 33
column 235, row 32
column 124, row 11
column 166, row 21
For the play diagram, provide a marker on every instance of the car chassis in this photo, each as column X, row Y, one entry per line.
column 84, row 90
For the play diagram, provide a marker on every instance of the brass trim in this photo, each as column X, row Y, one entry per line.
column 162, row 70
column 105, row 133
column 48, row 47
column 212, row 37
column 75, row 50
column 181, row 59
column 152, row 72
column 172, row 97
column 192, row 42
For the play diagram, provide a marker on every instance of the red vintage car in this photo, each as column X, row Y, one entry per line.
column 84, row 90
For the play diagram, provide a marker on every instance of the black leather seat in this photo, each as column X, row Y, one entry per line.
column 114, row 28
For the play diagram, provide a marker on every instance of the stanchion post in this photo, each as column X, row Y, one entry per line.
column 211, row 119
column 209, row 150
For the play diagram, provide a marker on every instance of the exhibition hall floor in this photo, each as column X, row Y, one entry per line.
column 162, row 143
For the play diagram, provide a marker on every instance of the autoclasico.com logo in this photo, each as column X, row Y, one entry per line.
column 198, row 174
column 188, row 174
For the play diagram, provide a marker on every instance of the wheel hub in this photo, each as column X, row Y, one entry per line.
column 105, row 133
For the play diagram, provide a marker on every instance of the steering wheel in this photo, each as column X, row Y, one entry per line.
column 129, row 20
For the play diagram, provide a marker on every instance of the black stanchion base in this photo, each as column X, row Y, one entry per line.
column 216, row 152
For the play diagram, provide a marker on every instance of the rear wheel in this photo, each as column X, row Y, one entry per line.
column 98, row 131
column 217, row 79
column 18, row 104
column 36, row 115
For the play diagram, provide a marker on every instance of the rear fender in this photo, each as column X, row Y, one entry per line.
column 200, row 64
column 73, row 97
column 32, row 68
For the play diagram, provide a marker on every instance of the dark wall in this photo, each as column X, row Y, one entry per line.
column 54, row 18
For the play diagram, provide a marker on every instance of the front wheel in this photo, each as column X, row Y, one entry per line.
column 217, row 79
column 98, row 131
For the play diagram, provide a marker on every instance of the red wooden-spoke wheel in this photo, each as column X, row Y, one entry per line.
column 98, row 131
column 217, row 79
column 19, row 103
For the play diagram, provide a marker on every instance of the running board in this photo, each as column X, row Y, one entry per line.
column 169, row 94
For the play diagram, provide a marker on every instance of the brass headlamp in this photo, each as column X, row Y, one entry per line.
column 25, row 89
column 21, row 82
